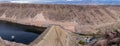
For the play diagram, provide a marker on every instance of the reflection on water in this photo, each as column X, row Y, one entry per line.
column 16, row 33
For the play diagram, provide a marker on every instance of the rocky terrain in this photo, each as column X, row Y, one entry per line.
column 75, row 15
column 85, row 19
column 7, row 43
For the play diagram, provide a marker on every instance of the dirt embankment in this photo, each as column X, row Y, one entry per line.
column 71, row 17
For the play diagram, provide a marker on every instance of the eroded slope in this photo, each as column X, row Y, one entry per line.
column 66, row 15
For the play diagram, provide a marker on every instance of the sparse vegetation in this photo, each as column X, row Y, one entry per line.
column 82, row 42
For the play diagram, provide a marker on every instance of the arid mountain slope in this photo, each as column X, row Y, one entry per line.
column 85, row 19
column 65, row 15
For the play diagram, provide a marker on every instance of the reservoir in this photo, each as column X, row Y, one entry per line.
column 19, row 33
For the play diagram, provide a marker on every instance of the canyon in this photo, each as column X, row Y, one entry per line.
column 85, row 19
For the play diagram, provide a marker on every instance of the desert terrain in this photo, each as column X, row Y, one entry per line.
column 77, row 19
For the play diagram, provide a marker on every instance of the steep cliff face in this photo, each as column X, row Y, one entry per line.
column 68, row 16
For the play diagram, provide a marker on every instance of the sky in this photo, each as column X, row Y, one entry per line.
column 65, row 1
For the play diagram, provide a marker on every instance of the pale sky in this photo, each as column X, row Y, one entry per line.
column 74, row 1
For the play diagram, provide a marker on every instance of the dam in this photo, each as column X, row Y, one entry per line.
column 30, row 35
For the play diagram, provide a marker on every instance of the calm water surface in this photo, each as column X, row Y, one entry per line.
column 7, row 31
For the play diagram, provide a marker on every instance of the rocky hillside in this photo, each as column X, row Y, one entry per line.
column 70, row 16
column 86, row 19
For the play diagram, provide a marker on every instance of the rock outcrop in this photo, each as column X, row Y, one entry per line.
column 7, row 43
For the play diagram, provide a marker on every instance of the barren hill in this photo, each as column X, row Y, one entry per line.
column 66, row 15
column 76, row 18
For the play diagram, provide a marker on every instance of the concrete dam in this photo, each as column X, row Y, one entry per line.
column 57, row 25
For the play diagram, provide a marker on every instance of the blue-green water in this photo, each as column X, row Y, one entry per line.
column 21, row 36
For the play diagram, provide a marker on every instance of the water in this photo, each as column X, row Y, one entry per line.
column 18, row 33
